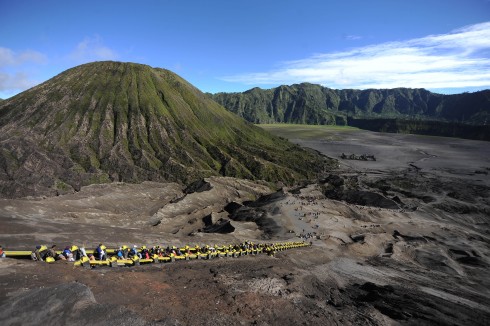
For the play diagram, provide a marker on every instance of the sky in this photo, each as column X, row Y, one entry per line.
column 235, row 45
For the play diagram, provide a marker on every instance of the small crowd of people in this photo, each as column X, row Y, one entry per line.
column 70, row 253
column 307, row 235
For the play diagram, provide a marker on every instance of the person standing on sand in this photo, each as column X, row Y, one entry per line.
column 2, row 253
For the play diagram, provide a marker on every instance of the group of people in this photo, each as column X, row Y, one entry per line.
column 74, row 253
column 307, row 235
column 70, row 253
column 125, row 252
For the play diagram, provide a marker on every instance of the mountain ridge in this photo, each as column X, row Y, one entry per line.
column 315, row 104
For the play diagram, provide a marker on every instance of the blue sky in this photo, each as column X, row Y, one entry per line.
column 233, row 45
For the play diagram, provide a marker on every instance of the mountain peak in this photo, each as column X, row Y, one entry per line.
column 113, row 121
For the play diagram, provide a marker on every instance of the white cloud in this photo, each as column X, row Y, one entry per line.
column 13, row 70
column 10, row 58
column 18, row 70
column 15, row 81
column 92, row 49
column 352, row 37
column 454, row 60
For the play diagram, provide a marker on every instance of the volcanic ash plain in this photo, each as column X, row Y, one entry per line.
column 400, row 240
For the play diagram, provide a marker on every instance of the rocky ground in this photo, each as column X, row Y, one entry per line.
column 403, row 240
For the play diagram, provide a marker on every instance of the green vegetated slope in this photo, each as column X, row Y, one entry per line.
column 113, row 121
column 313, row 104
column 306, row 132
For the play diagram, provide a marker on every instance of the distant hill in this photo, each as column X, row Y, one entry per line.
column 314, row 104
column 113, row 121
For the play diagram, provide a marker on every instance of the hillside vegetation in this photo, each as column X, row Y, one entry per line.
column 313, row 104
column 113, row 121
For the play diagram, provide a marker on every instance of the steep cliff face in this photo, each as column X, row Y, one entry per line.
column 305, row 103
column 112, row 121
column 314, row 104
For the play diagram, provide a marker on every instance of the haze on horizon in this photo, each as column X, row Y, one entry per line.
column 225, row 46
